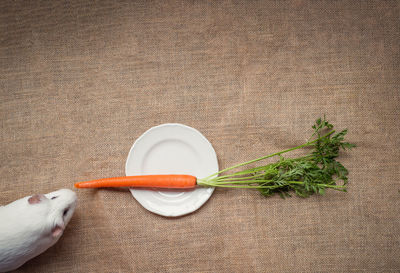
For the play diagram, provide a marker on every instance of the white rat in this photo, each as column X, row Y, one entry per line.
column 32, row 224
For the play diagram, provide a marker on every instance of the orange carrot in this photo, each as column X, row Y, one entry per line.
column 172, row 181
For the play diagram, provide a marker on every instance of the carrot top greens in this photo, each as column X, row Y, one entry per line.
column 313, row 173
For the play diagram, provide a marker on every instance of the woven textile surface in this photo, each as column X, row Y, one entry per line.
column 80, row 81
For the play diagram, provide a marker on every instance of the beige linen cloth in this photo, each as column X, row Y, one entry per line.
column 80, row 81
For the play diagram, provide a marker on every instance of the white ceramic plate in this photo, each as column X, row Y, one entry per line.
column 172, row 148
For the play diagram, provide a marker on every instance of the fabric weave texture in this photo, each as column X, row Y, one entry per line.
column 80, row 81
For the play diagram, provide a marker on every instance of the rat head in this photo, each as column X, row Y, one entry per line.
column 32, row 224
column 61, row 205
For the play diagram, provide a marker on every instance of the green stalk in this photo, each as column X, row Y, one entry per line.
column 217, row 182
column 268, row 156
column 240, row 178
column 203, row 183
column 305, row 175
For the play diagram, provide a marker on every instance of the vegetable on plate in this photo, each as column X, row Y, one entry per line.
column 305, row 175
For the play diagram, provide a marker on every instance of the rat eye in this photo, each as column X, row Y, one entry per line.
column 54, row 197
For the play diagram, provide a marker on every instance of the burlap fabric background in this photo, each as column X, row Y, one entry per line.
column 81, row 80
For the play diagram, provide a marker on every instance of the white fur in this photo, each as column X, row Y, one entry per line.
column 28, row 229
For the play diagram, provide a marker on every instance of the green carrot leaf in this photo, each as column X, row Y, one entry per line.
column 306, row 175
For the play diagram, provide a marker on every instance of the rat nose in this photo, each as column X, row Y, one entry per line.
column 63, row 193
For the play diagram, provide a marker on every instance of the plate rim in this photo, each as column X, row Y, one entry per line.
column 214, row 155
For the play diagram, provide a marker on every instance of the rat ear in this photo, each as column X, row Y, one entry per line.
column 57, row 231
column 36, row 198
